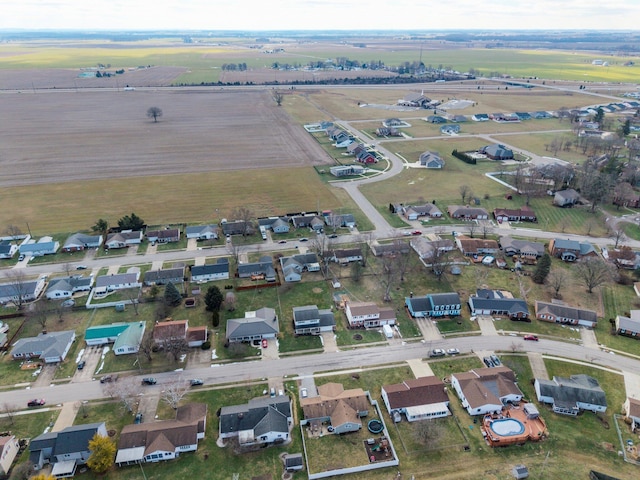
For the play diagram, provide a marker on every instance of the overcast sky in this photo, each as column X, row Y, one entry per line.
column 319, row 14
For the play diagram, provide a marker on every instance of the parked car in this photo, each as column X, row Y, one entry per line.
column 36, row 402
column 304, row 239
column 496, row 361
column 264, row 343
column 488, row 362
column 81, row 267
column 304, row 393
column 138, row 418
column 81, row 364
column 453, row 351
column 333, row 235
column 196, row 381
column 437, row 352
column 149, row 381
column 406, row 233
column 416, row 232
column 272, row 392
column 21, row 257
column 533, row 338
column 106, row 379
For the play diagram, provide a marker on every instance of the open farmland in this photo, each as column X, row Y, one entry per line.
column 71, row 136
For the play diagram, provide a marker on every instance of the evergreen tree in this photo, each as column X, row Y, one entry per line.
column 103, row 451
column 542, row 270
column 172, row 296
column 213, row 299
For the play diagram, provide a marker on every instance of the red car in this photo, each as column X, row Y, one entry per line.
column 416, row 232
column 36, row 402
column 533, row 338
column 264, row 343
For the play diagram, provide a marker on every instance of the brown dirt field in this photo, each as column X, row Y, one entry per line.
column 71, row 136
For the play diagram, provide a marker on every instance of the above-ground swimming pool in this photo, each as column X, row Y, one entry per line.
column 506, row 427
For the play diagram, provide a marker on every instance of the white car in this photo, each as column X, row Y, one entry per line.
column 453, row 351
column 437, row 352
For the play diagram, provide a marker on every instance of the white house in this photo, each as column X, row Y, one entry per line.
column 65, row 287
column 51, row 347
column 262, row 421
column 570, row 395
column 123, row 239
column 212, row 272
column 18, row 292
column 369, row 315
column 202, row 232
column 422, row 398
column 120, row 281
column 486, row 390
column 7, row 249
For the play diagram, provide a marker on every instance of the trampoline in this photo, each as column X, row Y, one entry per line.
column 375, row 426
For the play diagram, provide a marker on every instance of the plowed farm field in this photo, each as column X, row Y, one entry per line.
column 70, row 136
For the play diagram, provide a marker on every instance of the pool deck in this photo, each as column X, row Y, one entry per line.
column 535, row 429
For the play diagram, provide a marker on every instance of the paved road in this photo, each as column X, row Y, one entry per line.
column 307, row 365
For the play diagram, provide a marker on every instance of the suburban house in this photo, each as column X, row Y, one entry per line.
column 414, row 212
column 524, row 248
column 476, row 246
column 295, row 265
column 309, row 320
column 275, row 224
column 565, row 314
column 262, row 421
column 498, row 302
column 369, row 315
column 21, row 292
column 436, row 119
column 524, row 214
column 66, row 449
column 336, row 220
column 426, row 248
column 126, row 337
column 81, row 241
column 486, row 390
column 431, row 159
column 346, row 170
column 628, row 326
column 123, row 239
column 67, row 286
column 44, row 246
column 397, row 247
column 342, row 409
column 166, row 235
column 237, row 227
column 51, row 347
column 421, row 399
column 394, row 122
column 566, row 198
column 170, row 330
column 434, row 305
column 9, row 448
column 632, row 412
column 480, row 117
column 388, row 132
column 162, row 277
column 467, row 213
column 211, row 272
column 344, row 256
column 312, row 221
column 165, row 439
column 255, row 325
column 7, row 249
column 452, row 129
column 119, row 281
column 570, row 395
column 202, row 232
column 262, row 268
column 497, row 152
column 196, row 336
column 571, row 250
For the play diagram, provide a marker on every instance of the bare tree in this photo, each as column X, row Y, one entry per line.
column 174, row 392
column 133, row 294
column 39, row 312
column 589, row 225
column 557, row 279
column 516, row 347
column 593, row 272
column 245, row 215
column 147, row 345
column 155, row 113
column 278, row 97
column 465, row 191
column 13, row 231
column 18, row 286
column 387, row 276
column 428, row 433
column 471, row 227
column 364, row 241
column 439, row 262
column 9, row 409
column 595, row 186
column 174, row 348
column 67, row 268
column 486, row 228
column 235, row 250
column 126, row 391
column 404, row 258
column 230, row 301
column 564, row 223
column 618, row 236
